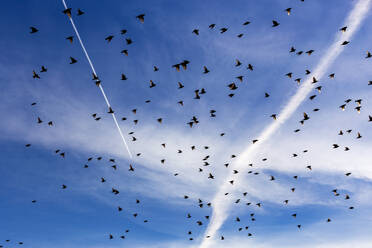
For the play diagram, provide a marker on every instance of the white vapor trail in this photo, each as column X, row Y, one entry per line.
column 220, row 205
column 100, row 85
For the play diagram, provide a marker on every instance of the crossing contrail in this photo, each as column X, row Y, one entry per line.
column 220, row 205
column 99, row 85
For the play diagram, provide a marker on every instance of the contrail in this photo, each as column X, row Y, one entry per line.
column 220, row 205
column 100, row 85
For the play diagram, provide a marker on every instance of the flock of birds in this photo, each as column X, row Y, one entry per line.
column 37, row 74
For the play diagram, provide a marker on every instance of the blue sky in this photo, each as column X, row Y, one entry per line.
column 84, row 214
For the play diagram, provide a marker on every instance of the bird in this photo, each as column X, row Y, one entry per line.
column 67, row 11
column 211, row 26
column 275, row 23
column 35, row 75
column 195, row 31
column 310, row 52
column 141, row 18
column 368, row 55
column 343, row 29
column 358, row 109
column 246, row 23
column 152, row 84
column 205, row 70
column 80, row 12
column 359, row 136
column 288, row 10
column 72, row 60
column 123, row 77
column 184, row 64
column 345, row 43
column 232, row 86
column 223, row 30
column 43, row 69
column 33, row 30
column 109, row 38
column 177, row 66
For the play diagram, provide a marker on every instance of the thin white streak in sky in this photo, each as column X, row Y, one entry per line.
column 220, row 205
column 100, row 85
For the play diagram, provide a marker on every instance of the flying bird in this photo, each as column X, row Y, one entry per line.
column 141, row 18
column 33, row 30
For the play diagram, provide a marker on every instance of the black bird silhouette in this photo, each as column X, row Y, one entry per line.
column 343, row 29
column 109, row 38
column 223, row 30
column 35, row 75
column 141, row 18
column 275, row 23
column 72, row 60
column 80, row 12
column 67, row 12
column 33, row 30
